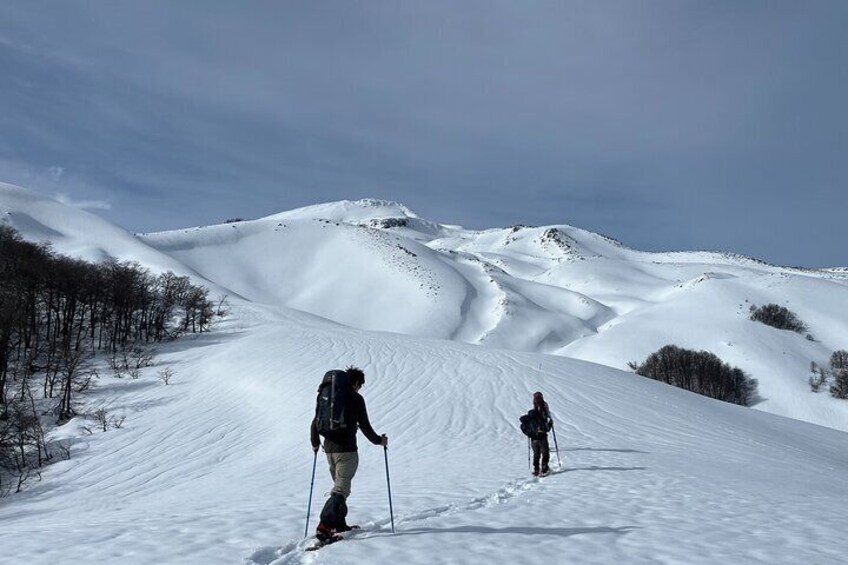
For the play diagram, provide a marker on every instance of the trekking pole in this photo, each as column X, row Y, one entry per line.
column 389, row 486
column 556, row 446
column 309, row 506
column 529, row 449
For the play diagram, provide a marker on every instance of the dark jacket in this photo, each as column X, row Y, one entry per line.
column 344, row 441
column 544, row 418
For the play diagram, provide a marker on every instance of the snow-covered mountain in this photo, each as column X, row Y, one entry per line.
column 560, row 290
column 455, row 330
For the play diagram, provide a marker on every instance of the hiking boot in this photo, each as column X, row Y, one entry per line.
column 546, row 470
column 324, row 533
column 535, row 472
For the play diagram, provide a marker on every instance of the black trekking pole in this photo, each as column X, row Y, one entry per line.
column 529, row 449
column 389, row 486
column 312, row 484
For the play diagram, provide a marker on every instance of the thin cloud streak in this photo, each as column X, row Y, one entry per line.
column 83, row 204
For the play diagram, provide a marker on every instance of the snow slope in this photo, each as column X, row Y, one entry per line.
column 376, row 265
column 75, row 232
column 215, row 468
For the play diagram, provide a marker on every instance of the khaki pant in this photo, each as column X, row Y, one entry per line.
column 342, row 469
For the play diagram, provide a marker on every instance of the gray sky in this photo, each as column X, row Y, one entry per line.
column 667, row 125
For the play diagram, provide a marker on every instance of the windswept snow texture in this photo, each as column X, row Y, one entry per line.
column 215, row 467
column 375, row 265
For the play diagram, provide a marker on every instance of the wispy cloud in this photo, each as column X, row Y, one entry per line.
column 52, row 181
column 84, row 204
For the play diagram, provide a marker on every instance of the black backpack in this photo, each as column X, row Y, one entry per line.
column 533, row 424
column 331, row 406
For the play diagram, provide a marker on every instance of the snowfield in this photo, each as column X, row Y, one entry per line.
column 455, row 331
column 375, row 265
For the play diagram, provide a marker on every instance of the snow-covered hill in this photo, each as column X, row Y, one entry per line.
column 376, row 265
column 75, row 232
column 215, row 468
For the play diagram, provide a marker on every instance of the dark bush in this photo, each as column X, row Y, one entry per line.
column 778, row 317
column 839, row 360
column 839, row 388
column 390, row 223
column 698, row 371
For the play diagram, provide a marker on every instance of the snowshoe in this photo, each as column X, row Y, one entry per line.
column 325, row 541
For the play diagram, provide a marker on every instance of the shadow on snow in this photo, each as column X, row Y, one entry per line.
column 526, row 530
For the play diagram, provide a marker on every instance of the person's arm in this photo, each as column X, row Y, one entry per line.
column 313, row 435
column 365, row 425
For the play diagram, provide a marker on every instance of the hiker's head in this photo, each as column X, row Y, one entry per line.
column 538, row 400
column 357, row 377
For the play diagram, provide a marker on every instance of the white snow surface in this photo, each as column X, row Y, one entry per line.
column 557, row 290
column 75, row 232
column 455, row 330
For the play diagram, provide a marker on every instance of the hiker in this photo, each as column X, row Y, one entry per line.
column 536, row 424
column 339, row 412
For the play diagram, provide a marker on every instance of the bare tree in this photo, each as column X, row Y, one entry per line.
column 818, row 379
column 165, row 375
column 73, row 361
column 101, row 415
column 56, row 314
column 223, row 308
column 141, row 357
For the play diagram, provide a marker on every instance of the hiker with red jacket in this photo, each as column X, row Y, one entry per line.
column 339, row 412
column 536, row 424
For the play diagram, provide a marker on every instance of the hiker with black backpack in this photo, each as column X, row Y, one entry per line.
column 536, row 424
column 339, row 412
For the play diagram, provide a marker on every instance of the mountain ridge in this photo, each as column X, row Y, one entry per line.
column 378, row 266
column 215, row 467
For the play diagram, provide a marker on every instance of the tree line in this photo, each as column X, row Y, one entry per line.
column 56, row 314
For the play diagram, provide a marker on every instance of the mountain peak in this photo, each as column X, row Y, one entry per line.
column 350, row 211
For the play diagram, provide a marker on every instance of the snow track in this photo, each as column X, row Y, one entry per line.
column 410, row 524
